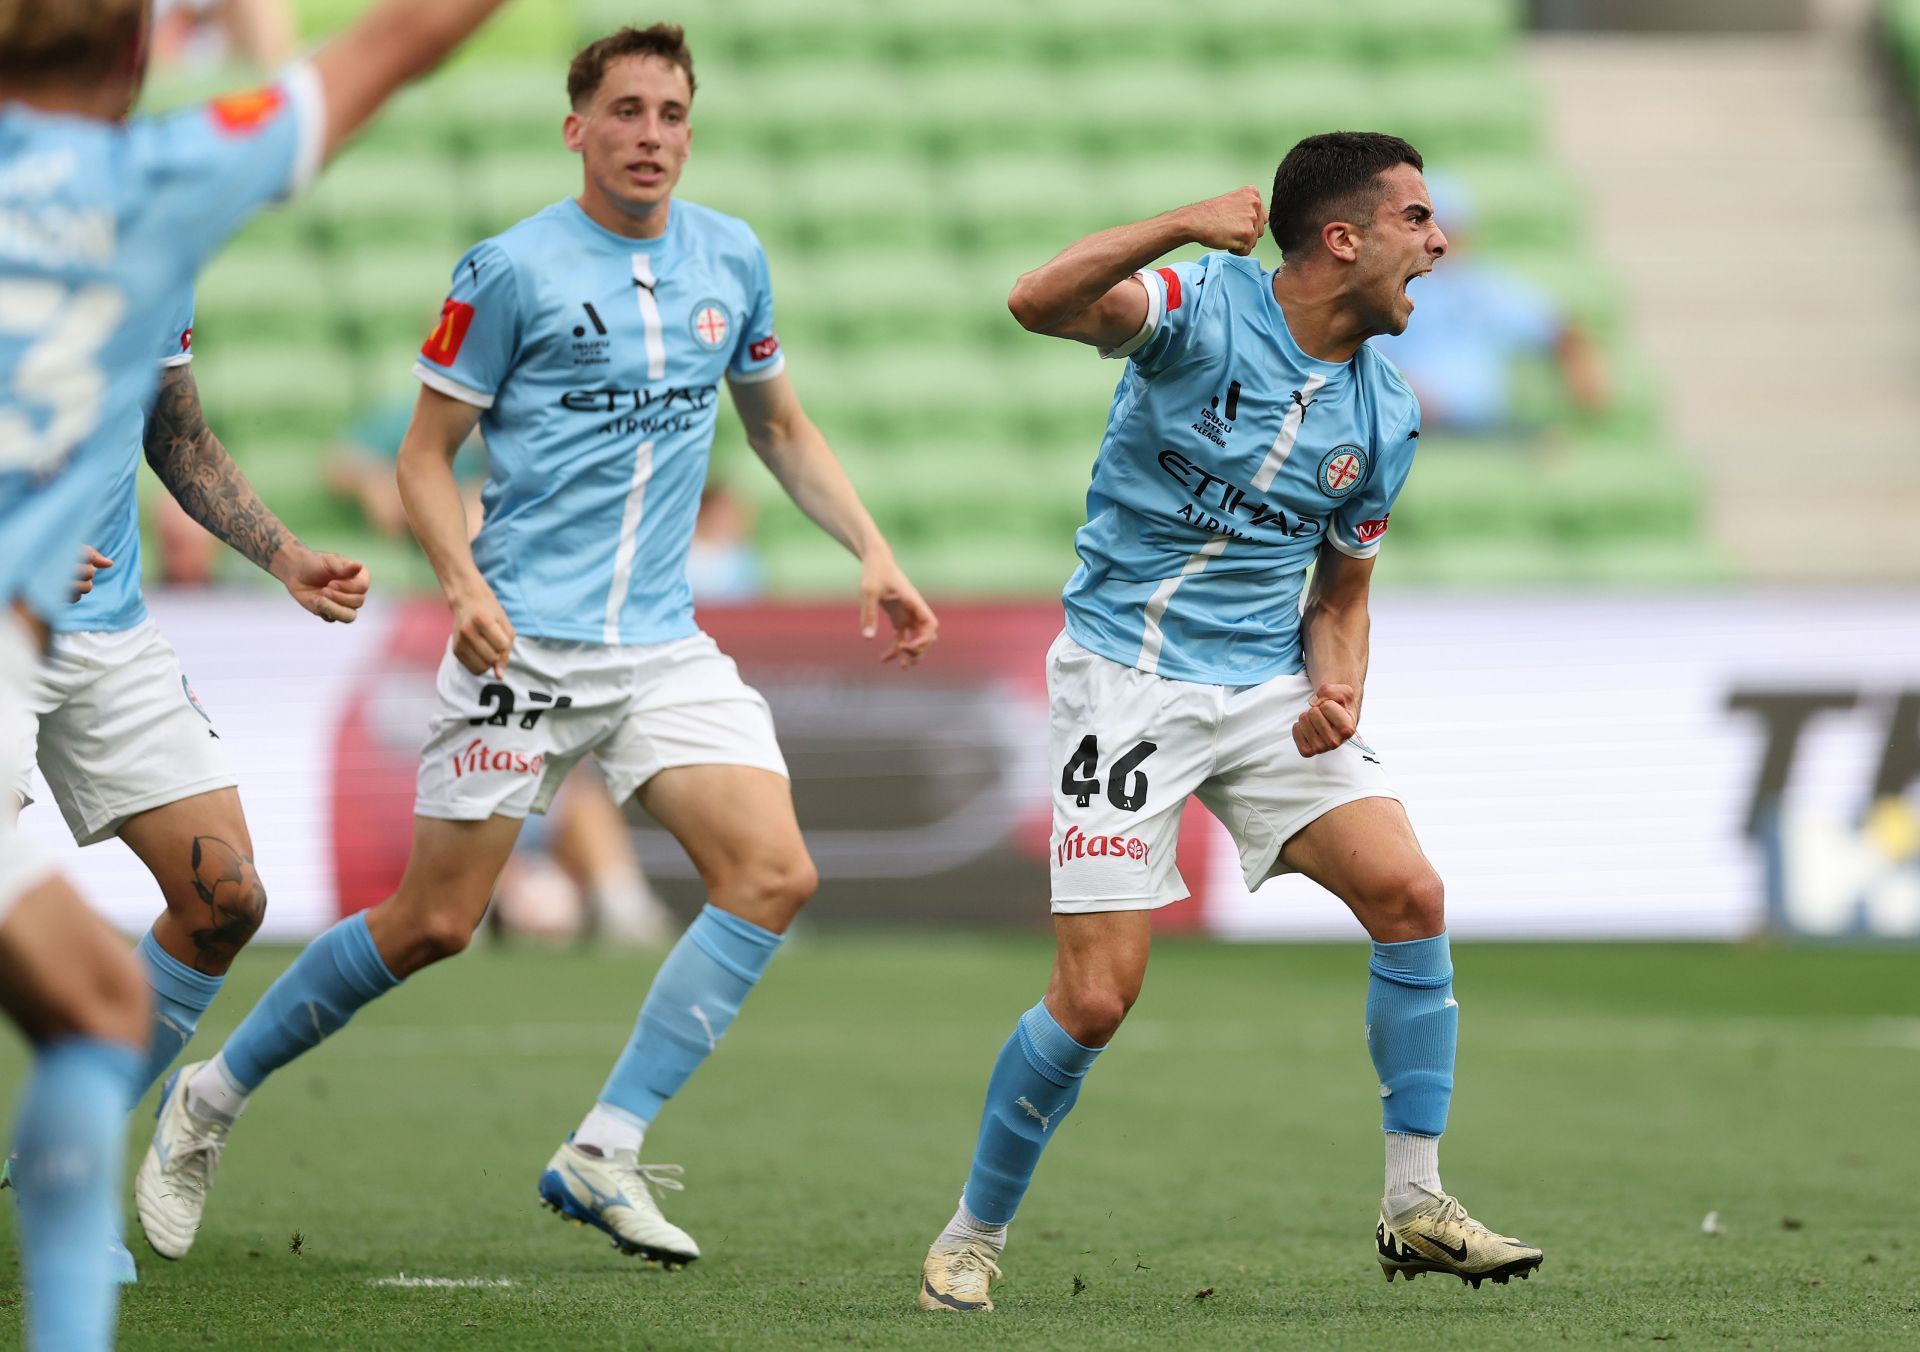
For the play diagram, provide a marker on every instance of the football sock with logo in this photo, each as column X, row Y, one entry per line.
column 695, row 996
column 1413, row 1026
column 313, row 999
column 70, row 1137
column 180, row 996
column 1033, row 1084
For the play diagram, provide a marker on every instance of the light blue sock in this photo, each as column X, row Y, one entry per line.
column 1413, row 1026
column 695, row 995
column 1034, row 1082
column 180, row 996
column 70, row 1137
column 313, row 999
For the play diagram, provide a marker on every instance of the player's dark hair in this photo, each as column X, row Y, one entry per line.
column 1330, row 177
column 668, row 41
column 54, row 40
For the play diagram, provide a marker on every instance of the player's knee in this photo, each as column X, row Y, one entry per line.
column 770, row 891
column 439, row 934
column 1093, row 1010
column 1413, row 907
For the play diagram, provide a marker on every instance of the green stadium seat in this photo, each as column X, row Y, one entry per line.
column 266, row 292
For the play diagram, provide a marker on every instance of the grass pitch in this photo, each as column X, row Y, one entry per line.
column 1215, row 1186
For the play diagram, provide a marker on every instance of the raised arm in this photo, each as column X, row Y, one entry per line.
column 1333, row 629
column 395, row 42
column 1086, row 293
column 196, row 469
column 482, row 633
column 785, row 439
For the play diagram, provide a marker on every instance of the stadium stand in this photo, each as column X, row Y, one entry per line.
column 903, row 164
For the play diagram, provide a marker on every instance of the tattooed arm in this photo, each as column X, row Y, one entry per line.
column 203, row 479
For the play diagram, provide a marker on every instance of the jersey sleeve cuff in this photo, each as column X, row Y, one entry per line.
column 309, row 104
column 1156, row 310
column 178, row 359
column 1352, row 551
column 453, row 389
column 754, row 377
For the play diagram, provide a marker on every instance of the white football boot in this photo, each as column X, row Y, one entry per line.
column 1439, row 1236
column 614, row 1194
column 956, row 1276
column 170, row 1191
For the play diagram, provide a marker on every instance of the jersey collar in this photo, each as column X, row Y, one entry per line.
column 1334, row 371
column 625, row 243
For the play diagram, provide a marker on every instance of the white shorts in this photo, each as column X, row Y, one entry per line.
column 1129, row 749
column 22, row 864
column 501, row 748
column 120, row 732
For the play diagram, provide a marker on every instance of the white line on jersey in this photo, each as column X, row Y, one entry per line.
column 650, row 317
column 1289, row 432
column 629, row 527
column 1151, row 637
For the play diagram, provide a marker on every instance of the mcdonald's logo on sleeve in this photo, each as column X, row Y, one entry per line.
column 443, row 344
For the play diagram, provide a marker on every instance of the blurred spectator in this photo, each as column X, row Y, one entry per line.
column 206, row 33
column 722, row 567
column 1473, row 321
column 361, row 469
column 575, row 870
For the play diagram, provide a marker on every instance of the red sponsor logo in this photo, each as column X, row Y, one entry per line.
column 245, row 113
column 1076, row 844
column 186, row 340
column 1172, row 279
column 477, row 758
column 442, row 347
column 1369, row 531
column 763, row 349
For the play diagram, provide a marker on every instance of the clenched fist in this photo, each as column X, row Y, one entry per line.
column 1328, row 721
column 1233, row 222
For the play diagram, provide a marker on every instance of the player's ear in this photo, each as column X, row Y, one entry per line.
column 574, row 132
column 1341, row 239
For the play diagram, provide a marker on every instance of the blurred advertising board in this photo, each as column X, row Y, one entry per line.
column 1630, row 765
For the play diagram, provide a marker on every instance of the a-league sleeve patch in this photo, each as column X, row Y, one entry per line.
column 1369, row 531
column 442, row 347
column 763, row 349
column 186, row 341
column 245, row 113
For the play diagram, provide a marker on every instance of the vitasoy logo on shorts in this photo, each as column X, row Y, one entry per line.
column 476, row 758
column 1077, row 844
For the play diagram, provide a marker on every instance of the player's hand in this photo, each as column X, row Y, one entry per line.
column 92, row 561
column 884, row 587
column 332, row 587
column 482, row 633
column 1233, row 222
column 1327, row 722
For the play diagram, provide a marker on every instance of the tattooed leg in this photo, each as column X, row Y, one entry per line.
column 200, row 853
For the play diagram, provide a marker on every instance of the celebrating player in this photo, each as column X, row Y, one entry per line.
column 1253, row 433
column 588, row 342
column 106, row 223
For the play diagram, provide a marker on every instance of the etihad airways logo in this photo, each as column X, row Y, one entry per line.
column 1077, row 845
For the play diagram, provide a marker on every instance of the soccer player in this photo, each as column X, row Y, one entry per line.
column 1253, row 433
column 103, row 223
column 589, row 342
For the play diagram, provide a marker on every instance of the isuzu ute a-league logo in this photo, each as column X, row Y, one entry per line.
column 591, row 346
column 1216, row 423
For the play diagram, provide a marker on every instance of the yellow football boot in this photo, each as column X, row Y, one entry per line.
column 1439, row 1236
column 956, row 1277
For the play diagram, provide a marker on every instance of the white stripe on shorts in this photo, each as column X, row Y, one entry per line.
column 1151, row 637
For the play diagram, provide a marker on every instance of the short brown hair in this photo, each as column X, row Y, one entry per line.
column 1326, row 177
column 43, row 40
column 668, row 41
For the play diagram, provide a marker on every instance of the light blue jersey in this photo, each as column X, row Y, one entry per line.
column 598, row 361
column 101, row 227
column 115, row 603
column 1230, row 455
